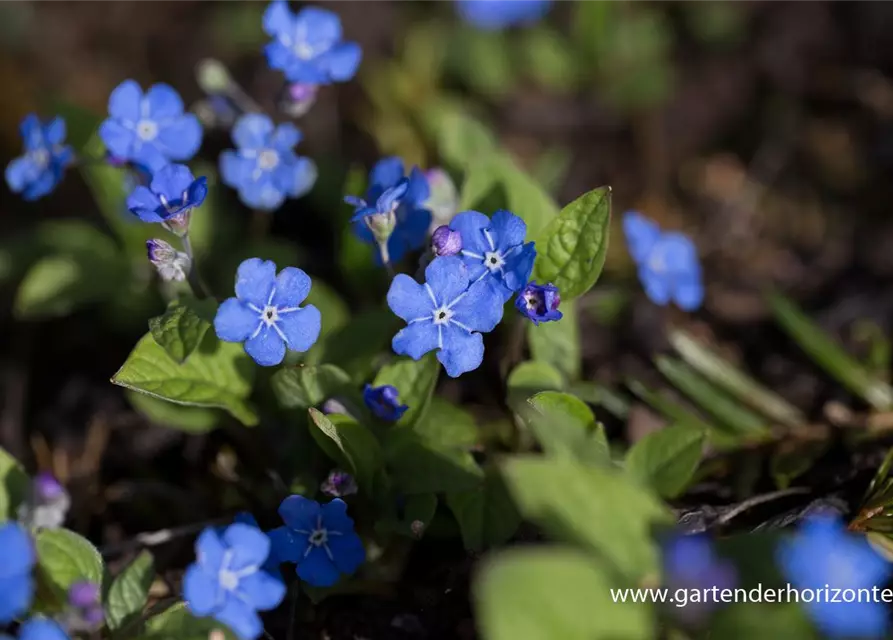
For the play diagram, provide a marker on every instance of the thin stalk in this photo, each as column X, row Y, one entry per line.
column 195, row 281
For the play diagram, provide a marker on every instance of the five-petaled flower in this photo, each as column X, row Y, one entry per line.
column 227, row 580
column 823, row 553
column 169, row 198
column 264, row 167
column 384, row 402
column 265, row 314
column 37, row 172
column 40, row 628
column 390, row 190
column 494, row 250
column 271, row 565
column 307, row 47
column 667, row 262
column 448, row 313
column 690, row 562
column 149, row 129
column 494, row 15
column 320, row 539
column 539, row 302
column 17, row 559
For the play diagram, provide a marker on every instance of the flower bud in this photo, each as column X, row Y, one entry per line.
column 381, row 225
column 297, row 99
column 170, row 263
column 82, row 595
column 85, row 612
column 178, row 224
column 338, row 484
column 213, row 76
column 445, row 241
column 47, row 503
column 539, row 303
column 443, row 200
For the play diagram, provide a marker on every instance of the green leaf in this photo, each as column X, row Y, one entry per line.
column 529, row 378
column 129, row 592
column 446, row 425
column 553, row 592
column 749, row 620
column 830, row 355
column 548, row 58
column 481, row 179
column 13, row 485
column 177, row 623
column 595, row 506
column 162, row 412
column 351, row 445
column 418, row 465
column 728, row 377
column 527, row 199
column 335, row 312
column 482, row 60
column 612, row 401
column 64, row 558
column 419, row 509
column 486, row 515
column 666, row 460
column 558, row 343
column 461, row 139
column 218, row 374
column 181, row 329
column 356, row 346
column 571, row 249
column 415, row 381
column 565, row 427
column 303, row 387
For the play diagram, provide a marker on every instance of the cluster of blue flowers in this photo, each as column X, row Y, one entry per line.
column 236, row 573
column 821, row 555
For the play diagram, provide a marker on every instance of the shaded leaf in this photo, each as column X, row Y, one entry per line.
column 666, row 460
column 350, row 445
column 64, row 558
column 420, row 466
column 487, row 515
column 529, row 378
column 13, row 485
column 129, row 591
column 303, row 387
column 558, row 343
column 414, row 380
column 177, row 623
column 178, row 416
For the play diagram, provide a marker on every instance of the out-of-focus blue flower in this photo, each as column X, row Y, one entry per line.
column 17, row 559
column 390, row 189
column 445, row 241
column 824, row 553
column 494, row 250
column 539, row 302
column 169, row 198
column 297, row 98
column 42, row 629
column 339, row 484
column 320, row 539
column 447, row 313
column 46, row 505
column 37, row 172
column 384, row 402
column 172, row 265
column 265, row 314
column 264, row 167
column 689, row 562
column 444, row 199
column 307, row 47
column 668, row 263
column 227, row 581
column 494, row 15
column 271, row 566
column 149, row 128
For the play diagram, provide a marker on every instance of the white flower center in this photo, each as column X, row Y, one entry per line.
column 228, row 579
column 319, row 537
column 493, row 260
column 442, row 315
column 270, row 315
column 40, row 157
column 303, row 50
column 531, row 301
column 267, row 160
column 146, row 130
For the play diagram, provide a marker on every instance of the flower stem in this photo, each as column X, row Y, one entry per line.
column 261, row 221
column 386, row 259
column 198, row 287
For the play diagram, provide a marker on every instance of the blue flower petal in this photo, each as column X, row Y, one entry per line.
column 252, row 131
column 387, row 172
column 197, row 191
column 390, row 196
column 413, row 227
column 285, row 545
column 17, row 592
column 262, row 193
column 149, row 156
column 164, row 102
column 54, row 131
column 44, row 183
column 462, row 351
column 209, row 550
column 479, row 309
column 507, row 230
column 278, row 55
column 447, row 278
column 301, row 328
column 285, row 137
column 21, row 172
column 657, row 287
column 641, row 235
column 317, row 570
column 266, row 348
column 248, row 546
column 292, row 288
column 172, row 180
column 201, row 590
column 334, row 516
column 255, row 279
column 416, row 340
column 235, row 169
column 408, row 299
column 240, row 617
column 348, row 552
column 295, row 178
column 144, row 204
column 42, row 629
column 262, row 590
column 298, row 512
column 689, row 294
column 125, row 101
column 471, row 225
column 340, row 63
column 518, row 268
column 181, row 138
column 320, row 28
column 302, row 71
column 117, row 138
column 31, row 131
column 418, row 190
column 278, row 19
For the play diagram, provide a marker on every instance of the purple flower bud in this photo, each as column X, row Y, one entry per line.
column 47, row 504
column 539, row 303
column 170, row 263
column 333, row 405
column 338, row 484
column 93, row 617
column 297, row 99
column 445, row 241
column 46, row 488
column 83, row 595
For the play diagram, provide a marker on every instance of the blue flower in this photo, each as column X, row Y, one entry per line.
column 689, row 562
column 824, row 553
column 494, row 250
column 320, row 539
column 308, row 46
column 264, row 168
column 265, row 314
column 539, row 302
column 445, row 313
column 173, row 192
column 40, row 169
column 271, row 566
column 42, row 629
column 667, row 263
column 383, row 402
column 150, row 129
column 494, row 15
column 390, row 189
column 227, row 581
column 17, row 559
